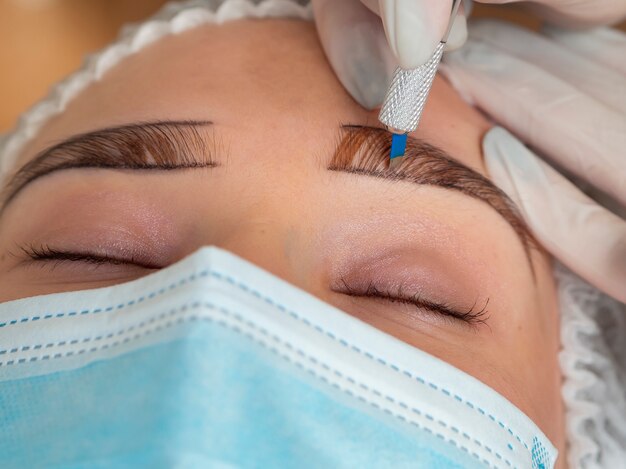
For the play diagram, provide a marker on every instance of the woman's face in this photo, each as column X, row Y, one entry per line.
column 264, row 156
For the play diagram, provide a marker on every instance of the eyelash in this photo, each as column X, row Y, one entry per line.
column 472, row 317
column 45, row 253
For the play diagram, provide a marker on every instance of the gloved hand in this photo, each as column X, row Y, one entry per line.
column 563, row 94
column 353, row 38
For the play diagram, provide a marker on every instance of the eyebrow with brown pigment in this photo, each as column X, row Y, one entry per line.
column 170, row 145
column 364, row 150
column 162, row 145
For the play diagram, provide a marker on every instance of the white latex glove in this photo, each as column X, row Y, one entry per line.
column 364, row 51
column 563, row 94
column 353, row 35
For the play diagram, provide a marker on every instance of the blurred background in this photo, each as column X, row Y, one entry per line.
column 41, row 41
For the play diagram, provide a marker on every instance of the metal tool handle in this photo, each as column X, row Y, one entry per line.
column 406, row 97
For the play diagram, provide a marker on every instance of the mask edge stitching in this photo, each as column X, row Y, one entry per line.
column 242, row 286
column 284, row 344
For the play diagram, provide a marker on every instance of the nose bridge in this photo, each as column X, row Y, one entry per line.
column 276, row 231
column 268, row 187
column 262, row 240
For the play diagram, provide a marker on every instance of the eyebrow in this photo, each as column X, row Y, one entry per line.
column 364, row 150
column 161, row 145
column 170, row 145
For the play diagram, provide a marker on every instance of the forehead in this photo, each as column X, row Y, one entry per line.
column 265, row 83
column 245, row 73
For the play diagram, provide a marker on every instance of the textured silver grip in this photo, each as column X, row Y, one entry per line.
column 406, row 97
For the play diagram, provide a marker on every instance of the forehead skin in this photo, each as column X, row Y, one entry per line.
column 276, row 106
column 283, row 77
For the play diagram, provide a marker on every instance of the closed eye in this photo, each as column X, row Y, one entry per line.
column 472, row 316
column 45, row 253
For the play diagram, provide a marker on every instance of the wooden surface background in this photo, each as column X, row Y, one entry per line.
column 41, row 41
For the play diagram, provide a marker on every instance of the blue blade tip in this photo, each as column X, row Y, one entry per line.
column 398, row 145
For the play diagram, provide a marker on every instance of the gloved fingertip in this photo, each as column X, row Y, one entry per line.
column 413, row 29
column 498, row 147
column 355, row 45
column 366, row 70
column 458, row 33
column 512, row 166
column 475, row 55
column 369, row 92
column 583, row 235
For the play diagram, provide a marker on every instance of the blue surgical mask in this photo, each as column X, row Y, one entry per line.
column 214, row 362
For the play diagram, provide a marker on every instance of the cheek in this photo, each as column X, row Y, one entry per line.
column 530, row 371
column 547, row 381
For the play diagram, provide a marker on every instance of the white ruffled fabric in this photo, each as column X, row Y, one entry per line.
column 593, row 330
column 593, row 362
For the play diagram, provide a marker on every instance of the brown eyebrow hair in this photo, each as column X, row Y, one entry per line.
column 365, row 150
column 159, row 145
column 169, row 145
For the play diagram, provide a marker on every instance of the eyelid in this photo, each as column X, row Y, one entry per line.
column 473, row 317
column 45, row 253
column 365, row 151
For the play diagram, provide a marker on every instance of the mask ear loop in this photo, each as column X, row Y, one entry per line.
column 406, row 97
